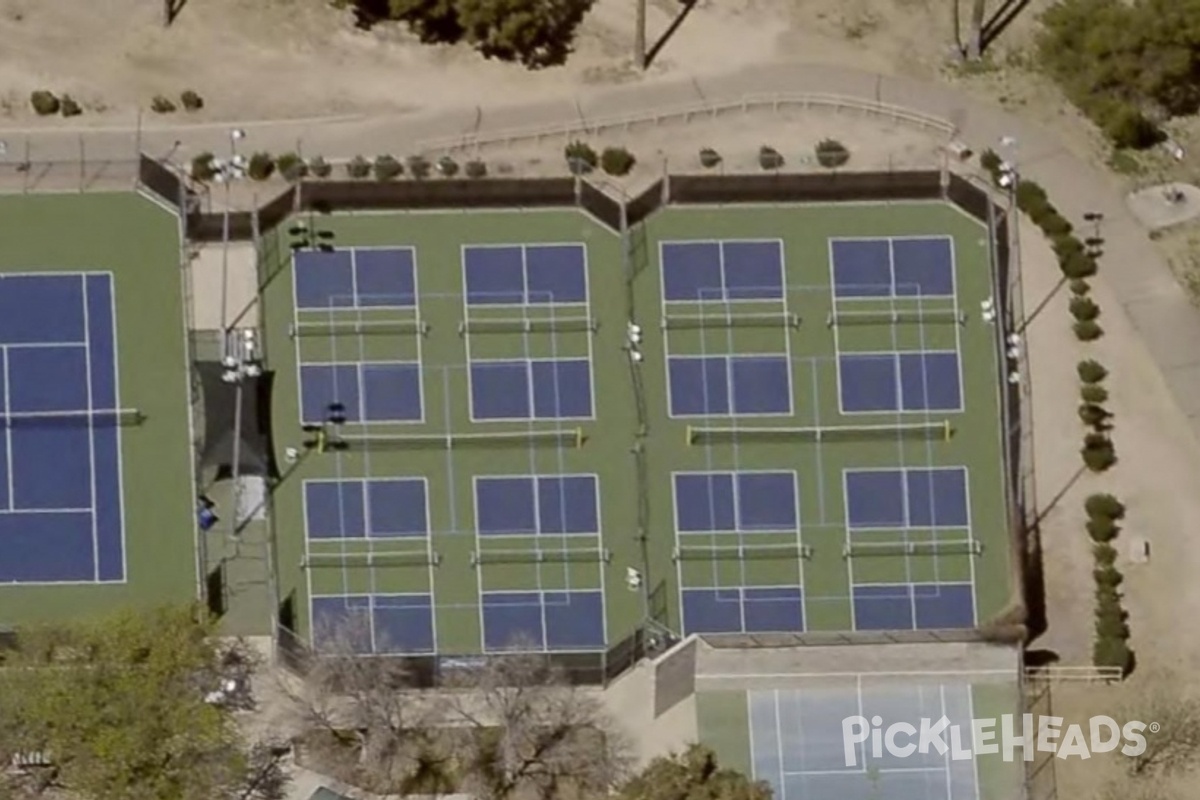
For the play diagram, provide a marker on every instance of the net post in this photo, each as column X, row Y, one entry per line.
column 946, row 423
column 578, row 438
column 688, row 436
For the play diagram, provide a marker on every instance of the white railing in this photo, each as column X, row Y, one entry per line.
column 685, row 113
column 1081, row 674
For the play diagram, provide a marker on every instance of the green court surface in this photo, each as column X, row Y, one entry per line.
column 138, row 243
column 632, row 444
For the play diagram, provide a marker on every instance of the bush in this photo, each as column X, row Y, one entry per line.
column 617, row 161
column 419, row 167
column 1111, row 625
column 1053, row 224
column 291, row 166
column 204, row 167
column 1087, row 331
column 581, row 158
column 69, row 107
column 1112, row 653
column 1102, row 530
column 769, row 158
column 709, row 158
column 1093, row 415
column 447, row 167
column 1064, row 245
column 319, row 167
column 475, row 169
column 1030, row 194
column 1084, row 308
column 990, row 160
column 44, row 103
column 191, row 101
column 260, row 167
column 1103, row 505
column 1091, row 371
column 1097, row 452
column 1107, row 597
column 1108, row 576
column 1079, row 287
column 387, row 168
column 162, row 105
column 1105, row 554
column 832, row 153
column 1093, row 393
column 358, row 167
column 1077, row 265
column 1126, row 127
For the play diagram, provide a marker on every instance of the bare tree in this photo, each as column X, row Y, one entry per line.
column 1168, row 703
column 534, row 734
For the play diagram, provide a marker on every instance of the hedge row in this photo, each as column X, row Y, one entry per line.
column 1110, row 647
column 293, row 167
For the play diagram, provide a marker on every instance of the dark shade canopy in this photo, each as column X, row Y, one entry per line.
column 255, row 452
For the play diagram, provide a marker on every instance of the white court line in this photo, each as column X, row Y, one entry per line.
column 778, row 744
column 45, row 345
column 87, row 332
column 8, row 454
column 1004, row 673
column 116, row 362
column 21, row 511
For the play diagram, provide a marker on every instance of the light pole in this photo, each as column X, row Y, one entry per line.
column 241, row 362
column 226, row 173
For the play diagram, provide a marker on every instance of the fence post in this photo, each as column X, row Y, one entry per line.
column 82, row 165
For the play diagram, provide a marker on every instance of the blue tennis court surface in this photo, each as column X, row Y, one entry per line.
column 918, row 381
column 529, row 274
column 907, row 606
column 552, row 388
column 893, row 267
column 60, row 465
column 373, row 509
column 892, row 499
column 378, row 624
column 735, row 502
column 758, row 609
column 739, row 385
column 722, row 270
column 360, row 277
column 543, row 504
column 365, row 392
column 540, row 620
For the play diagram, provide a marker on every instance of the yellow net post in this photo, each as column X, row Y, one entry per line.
column 322, row 441
column 949, row 430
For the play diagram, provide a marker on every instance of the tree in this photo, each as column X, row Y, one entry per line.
column 692, row 775
column 1166, row 700
column 119, row 705
column 433, row 21
column 536, row 33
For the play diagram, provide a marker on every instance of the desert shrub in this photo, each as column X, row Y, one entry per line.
column 617, row 161
column 191, row 100
column 769, row 158
column 1079, row 287
column 1107, row 576
column 1093, row 415
column 1030, row 194
column 319, row 167
column 387, row 168
column 261, row 166
column 1105, row 554
column 709, row 158
column 161, row 104
column 204, row 167
column 990, row 160
column 1084, row 308
column 475, row 169
column 1107, row 597
column 1111, row 625
column 291, row 166
column 1091, row 371
column 1093, row 393
column 1097, row 452
column 419, row 167
column 1077, row 265
column 1064, row 245
column 447, row 167
column 69, row 107
column 1109, row 652
column 44, row 103
column 831, row 153
column 358, row 167
column 1102, row 529
column 1087, row 330
column 581, row 158
column 1104, row 505
column 1053, row 224
column 1127, row 127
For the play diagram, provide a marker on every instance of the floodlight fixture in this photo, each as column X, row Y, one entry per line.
column 237, row 134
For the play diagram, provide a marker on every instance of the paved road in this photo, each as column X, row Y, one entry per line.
column 1151, row 296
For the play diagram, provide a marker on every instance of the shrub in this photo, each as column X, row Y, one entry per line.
column 160, row 104
column 1054, row 224
column 1030, row 194
column 1091, row 371
column 419, row 167
column 1103, row 505
column 1107, row 597
column 319, row 167
column 990, row 160
column 1112, row 653
column 69, row 107
column 358, row 167
column 1102, row 530
column 617, row 161
column 447, row 167
column 475, row 169
column 1087, row 330
column 1093, row 393
column 769, row 158
column 581, row 158
column 1093, row 415
column 387, row 168
column 1079, row 287
column 1112, row 625
column 1105, row 554
column 1084, row 308
column 260, row 167
column 204, row 167
column 709, row 158
column 1097, row 452
column 1126, row 127
column 44, row 103
column 831, row 153
column 1077, row 264
column 1108, row 575
column 191, row 100
column 1064, row 245
column 291, row 166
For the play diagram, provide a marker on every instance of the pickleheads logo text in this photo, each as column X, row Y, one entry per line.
column 1005, row 736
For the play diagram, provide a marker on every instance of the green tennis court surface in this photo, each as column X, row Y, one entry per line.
column 803, row 421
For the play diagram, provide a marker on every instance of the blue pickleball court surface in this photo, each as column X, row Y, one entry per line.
column 925, row 380
column 379, row 508
column 359, row 277
column 543, row 620
column 722, row 271
column 374, row 624
column 896, row 499
column 893, row 267
column 524, row 505
column 60, row 469
column 737, row 385
column 525, row 274
column 365, row 391
column 523, row 389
